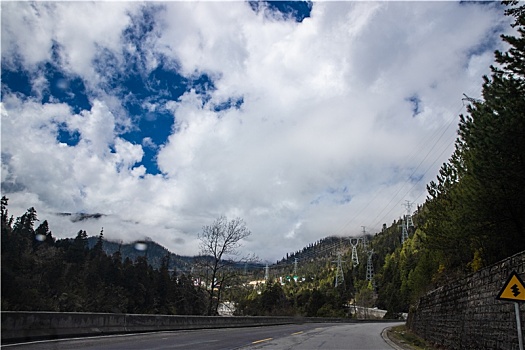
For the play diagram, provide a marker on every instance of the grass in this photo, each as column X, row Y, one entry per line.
column 407, row 339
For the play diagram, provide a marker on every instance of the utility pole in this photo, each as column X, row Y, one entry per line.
column 266, row 273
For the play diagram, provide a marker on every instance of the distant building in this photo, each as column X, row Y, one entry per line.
column 256, row 284
column 226, row 308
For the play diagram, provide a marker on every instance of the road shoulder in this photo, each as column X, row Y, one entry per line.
column 392, row 341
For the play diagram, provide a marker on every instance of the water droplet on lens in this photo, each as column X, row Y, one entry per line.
column 141, row 246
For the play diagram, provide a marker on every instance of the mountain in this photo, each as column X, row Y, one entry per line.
column 153, row 251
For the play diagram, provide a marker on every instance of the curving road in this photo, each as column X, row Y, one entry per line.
column 342, row 336
column 358, row 336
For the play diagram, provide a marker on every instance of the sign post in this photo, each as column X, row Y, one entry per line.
column 518, row 322
column 514, row 290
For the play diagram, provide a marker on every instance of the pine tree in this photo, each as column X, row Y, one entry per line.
column 43, row 235
column 477, row 207
column 98, row 248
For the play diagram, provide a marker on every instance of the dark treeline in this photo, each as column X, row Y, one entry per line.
column 40, row 273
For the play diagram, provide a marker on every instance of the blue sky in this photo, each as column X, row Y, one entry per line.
column 135, row 85
column 306, row 119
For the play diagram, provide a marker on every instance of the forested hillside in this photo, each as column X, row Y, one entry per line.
column 475, row 212
column 41, row 273
column 154, row 252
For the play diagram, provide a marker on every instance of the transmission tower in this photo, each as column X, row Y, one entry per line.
column 364, row 240
column 404, row 231
column 471, row 99
column 339, row 276
column 370, row 268
column 355, row 258
column 407, row 222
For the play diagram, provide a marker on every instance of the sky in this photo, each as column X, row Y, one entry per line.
column 306, row 120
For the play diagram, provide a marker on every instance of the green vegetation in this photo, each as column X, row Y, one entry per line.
column 475, row 213
column 476, row 210
column 402, row 335
column 473, row 217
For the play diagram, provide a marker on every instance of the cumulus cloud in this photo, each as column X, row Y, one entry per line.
column 341, row 118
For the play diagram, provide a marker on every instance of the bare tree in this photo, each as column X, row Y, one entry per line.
column 219, row 248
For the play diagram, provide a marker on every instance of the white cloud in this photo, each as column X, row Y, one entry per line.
column 323, row 143
column 31, row 23
column 148, row 142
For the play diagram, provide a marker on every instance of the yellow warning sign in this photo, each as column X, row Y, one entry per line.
column 513, row 290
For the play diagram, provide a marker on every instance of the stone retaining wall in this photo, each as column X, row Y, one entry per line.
column 466, row 315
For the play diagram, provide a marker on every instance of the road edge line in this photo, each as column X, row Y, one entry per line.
column 384, row 335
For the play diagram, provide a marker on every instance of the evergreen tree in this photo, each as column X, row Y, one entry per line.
column 477, row 207
column 98, row 248
column 43, row 235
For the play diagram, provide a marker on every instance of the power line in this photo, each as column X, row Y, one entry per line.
column 434, row 139
column 415, row 170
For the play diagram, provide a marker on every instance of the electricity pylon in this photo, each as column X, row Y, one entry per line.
column 339, row 275
column 404, row 231
column 364, row 240
column 370, row 268
column 407, row 222
column 355, row 258
column 471, row 99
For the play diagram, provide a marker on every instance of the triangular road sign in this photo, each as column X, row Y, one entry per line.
column 513, row 290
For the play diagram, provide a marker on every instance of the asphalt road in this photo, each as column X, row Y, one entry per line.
column 356, row 336
column 306, row 336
